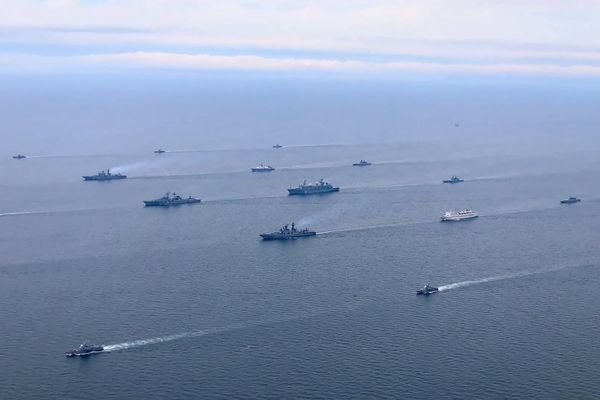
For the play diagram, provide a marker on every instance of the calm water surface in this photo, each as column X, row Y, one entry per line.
column 191, row 304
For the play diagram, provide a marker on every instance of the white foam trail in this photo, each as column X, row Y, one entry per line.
column 178, row 336
column 367, row 227
column 204, row 332
column 520, row 274
column 10, row 214
column 145, row 342
column 456, row 285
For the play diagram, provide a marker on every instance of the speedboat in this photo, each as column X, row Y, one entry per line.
column 85, row 349
column 427, row 290
column 570, row 200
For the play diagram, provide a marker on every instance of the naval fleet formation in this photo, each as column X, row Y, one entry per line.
column 287, row 232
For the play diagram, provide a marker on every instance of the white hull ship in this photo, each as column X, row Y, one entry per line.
column 458, row 215
column 263, row 168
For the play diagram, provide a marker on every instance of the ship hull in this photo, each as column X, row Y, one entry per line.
column 277, row 236
column 87, row 353
column 569, row 201
column 361, row 165
column 454, row 219
column 104, row 178
column 303, row 192
column 426, row 293
column 452, row 182
column 263, row 169
column 158, row 203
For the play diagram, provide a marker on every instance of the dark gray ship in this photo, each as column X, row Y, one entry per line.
column 85, row 349
column 427, row 290
column 287, row 233
column 361, row 163
column 159, row 151
column 104, row 176
column 570, row 200
column 19, row 157
column 277, row 146
column 169, row 200
column 313, row 188
column 454, row 179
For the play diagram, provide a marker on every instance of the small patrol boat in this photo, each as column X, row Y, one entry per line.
column 19, row 156
column 454, row 179
column 570, row 200
column 263, row 168
column 85, row 349
column 427, row 290
column 159, row 151
column 361, row 163
column 277, row 146
column 104, row 176
column 287, row 233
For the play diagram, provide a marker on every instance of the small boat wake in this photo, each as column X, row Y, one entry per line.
column 211, row 331
column 513, row 275
column 457, row 285
column 156, row 340
column 170, row 338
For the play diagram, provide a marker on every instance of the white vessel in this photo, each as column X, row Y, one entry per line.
column 263, row 168
column 458, row 215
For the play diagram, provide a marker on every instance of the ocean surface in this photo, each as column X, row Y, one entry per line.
column 190, row 303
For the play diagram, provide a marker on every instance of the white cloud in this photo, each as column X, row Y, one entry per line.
column 554, row 35
column 208, row 62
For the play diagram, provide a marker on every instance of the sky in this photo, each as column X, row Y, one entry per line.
column 390, row 37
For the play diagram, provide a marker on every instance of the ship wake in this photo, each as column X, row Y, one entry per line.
column 457, row 285
column 211, row 331
column 513, row 275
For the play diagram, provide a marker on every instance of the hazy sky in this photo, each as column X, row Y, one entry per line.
column 526, row 37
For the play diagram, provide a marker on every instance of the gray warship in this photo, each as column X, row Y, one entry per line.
column 454, row 179
column 160, row 151
column 104, row 176
column 85, row 349
column 361, row 163
column 19, row 157
column 313, row 188
column 167, row 201
column 570, row 200
column 287, row 233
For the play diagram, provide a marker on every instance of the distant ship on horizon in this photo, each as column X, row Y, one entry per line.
column 454, row 179
column 263, row 168
column 277, row 146
column 361, row 163
column 19, row 156
column 570, row 200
